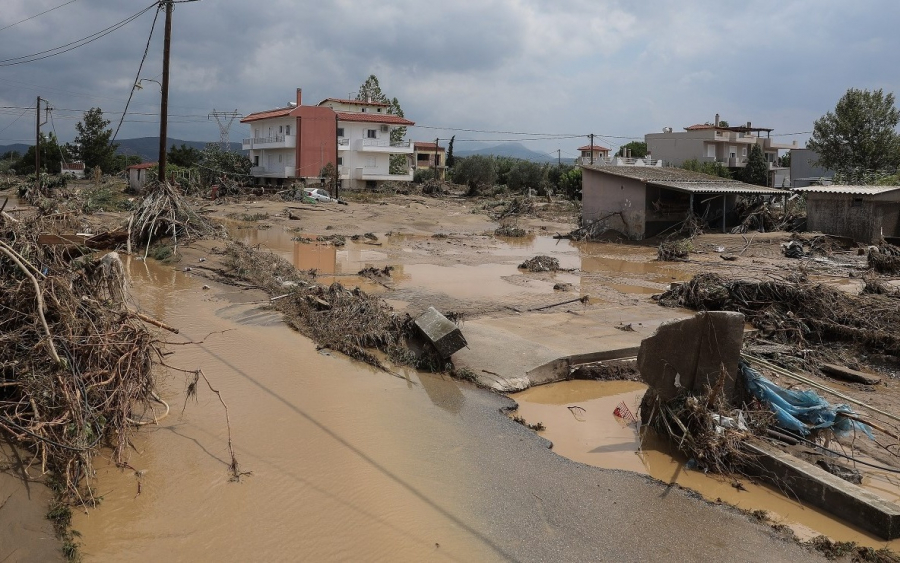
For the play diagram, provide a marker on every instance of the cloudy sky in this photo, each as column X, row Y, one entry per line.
column 529, row 70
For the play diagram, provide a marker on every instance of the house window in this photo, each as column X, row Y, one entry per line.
column 437, row 160
column 379, row 110
column 340, row 131
column 371, row 134
column 364, row 110
column 280, row 157
column 370, row 162
column 422, row 157
column 857, row 202
column 340, row 161
column 744, row 151
column 287, row 129
column 255, row 160
column 280, row 129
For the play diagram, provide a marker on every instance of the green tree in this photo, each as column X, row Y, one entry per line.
column 184, row 156
column 215, row 163
column 638, row 149
column 92, row 141
column 757, row 169
column 450, row 158
column 711, row 168
column 525, row 175
column 476, row 172
column 785, row 160
column 570, row 183
column 52, row 153
column 860, row 135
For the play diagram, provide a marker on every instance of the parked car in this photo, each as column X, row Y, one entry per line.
column 318, row 194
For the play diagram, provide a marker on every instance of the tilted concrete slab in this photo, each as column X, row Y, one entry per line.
column 823, row 490
column 504, row 350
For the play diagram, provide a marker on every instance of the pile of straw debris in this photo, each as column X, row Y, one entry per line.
column 885, row 258
column 796, row 313
column 165, row 212
column 540, row 264
column 76, row 367
column 349, row 321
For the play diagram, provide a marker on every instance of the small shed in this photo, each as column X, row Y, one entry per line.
column 863, row 213
column 644, row 201
column 138, row 174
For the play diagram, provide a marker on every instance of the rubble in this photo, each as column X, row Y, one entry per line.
column 540, row 264
column 441, row 332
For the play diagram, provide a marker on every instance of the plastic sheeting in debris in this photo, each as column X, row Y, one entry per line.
column 800, row 411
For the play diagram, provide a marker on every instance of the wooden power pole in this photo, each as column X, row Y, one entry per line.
column 592, row 148
column 37, row 145
column 164, row 102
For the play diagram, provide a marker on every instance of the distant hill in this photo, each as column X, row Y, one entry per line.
column 148, row 147
column 145, row 147
column 514, row 150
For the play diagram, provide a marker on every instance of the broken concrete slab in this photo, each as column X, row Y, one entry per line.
column 823, row 490
column 441, row 331
column 691, row 353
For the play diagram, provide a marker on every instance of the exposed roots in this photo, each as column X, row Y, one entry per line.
column 164, row 212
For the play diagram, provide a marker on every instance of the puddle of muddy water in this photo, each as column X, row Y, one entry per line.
column 579, row 422
column 341, row 456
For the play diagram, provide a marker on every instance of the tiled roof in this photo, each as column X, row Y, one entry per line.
column 373, row 118
column 683, row 180
column 592, row 147
column 427, row 147
column 848, row 190
column 142, row 166
column 359, row 102
column 268, row 114
column 73, row 166
column 700, row 126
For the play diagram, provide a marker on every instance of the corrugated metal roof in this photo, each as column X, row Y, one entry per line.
column 848, row 190
column 683, row 180
column 726, row 187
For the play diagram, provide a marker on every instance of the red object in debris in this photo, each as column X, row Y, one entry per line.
column 622, row 411
column 214, row 192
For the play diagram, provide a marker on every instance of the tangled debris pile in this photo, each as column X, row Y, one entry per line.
column 885, row 258
column 795, row 313
column 164, row 212
column 540, row 264
column 76, row 366
column 674, row 250
column 349, row 321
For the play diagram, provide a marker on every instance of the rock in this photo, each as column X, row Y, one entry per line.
column 441, row 331
column 690, row 353
column 563, row 286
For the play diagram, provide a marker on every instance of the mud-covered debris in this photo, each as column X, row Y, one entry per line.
column 674, row 250
column 607, row 370
column 793, row 249
column 540, row 264
column 510, row 231
column 376, row 273
column 564, row 286
column 884, row 258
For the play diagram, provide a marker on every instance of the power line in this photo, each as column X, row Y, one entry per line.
column 36, row 15
column 561, row 135
column 16, row 119
column 138, row 77
column 74, row 44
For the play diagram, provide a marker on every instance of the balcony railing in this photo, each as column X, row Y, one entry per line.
column 273, row 171
column 274, row 141
column 384, row 143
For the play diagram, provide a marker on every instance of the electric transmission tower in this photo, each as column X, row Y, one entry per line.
column 224, row 119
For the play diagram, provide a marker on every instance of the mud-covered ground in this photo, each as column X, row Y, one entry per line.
column 443, row 252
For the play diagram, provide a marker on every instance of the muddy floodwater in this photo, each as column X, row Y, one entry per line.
column 579, row 421
column 337, row 467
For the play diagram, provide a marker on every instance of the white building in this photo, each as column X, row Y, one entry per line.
column 297, row 141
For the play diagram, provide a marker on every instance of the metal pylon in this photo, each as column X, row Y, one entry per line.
column 224, row 119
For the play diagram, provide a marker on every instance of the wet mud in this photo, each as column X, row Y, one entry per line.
column 579, row 421
column 337, row 466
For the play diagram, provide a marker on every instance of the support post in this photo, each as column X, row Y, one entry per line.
column 164, row 101
column 724, row 201
column 592, row 148
column 37, row 145
column 337, row 168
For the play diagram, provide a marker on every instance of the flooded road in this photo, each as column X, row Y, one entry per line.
column 353, row 464
column 579, row 421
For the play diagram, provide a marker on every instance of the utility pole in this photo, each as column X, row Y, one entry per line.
column 37, row 145
column 434, row 174
column 592, row 148
column 558, row 158
column 164, row 102
column 337, row 168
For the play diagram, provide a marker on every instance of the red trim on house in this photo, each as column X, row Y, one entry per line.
column 358, row 102
column 268, row 114
column 142, row 166
column 373, row 118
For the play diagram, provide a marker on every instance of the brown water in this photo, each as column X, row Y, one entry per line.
column 589, row 433
column 338, row 465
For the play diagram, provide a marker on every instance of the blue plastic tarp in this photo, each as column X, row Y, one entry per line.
column 800, row 411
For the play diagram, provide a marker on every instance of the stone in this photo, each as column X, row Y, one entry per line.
column 441, row 331
column 691, row 353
